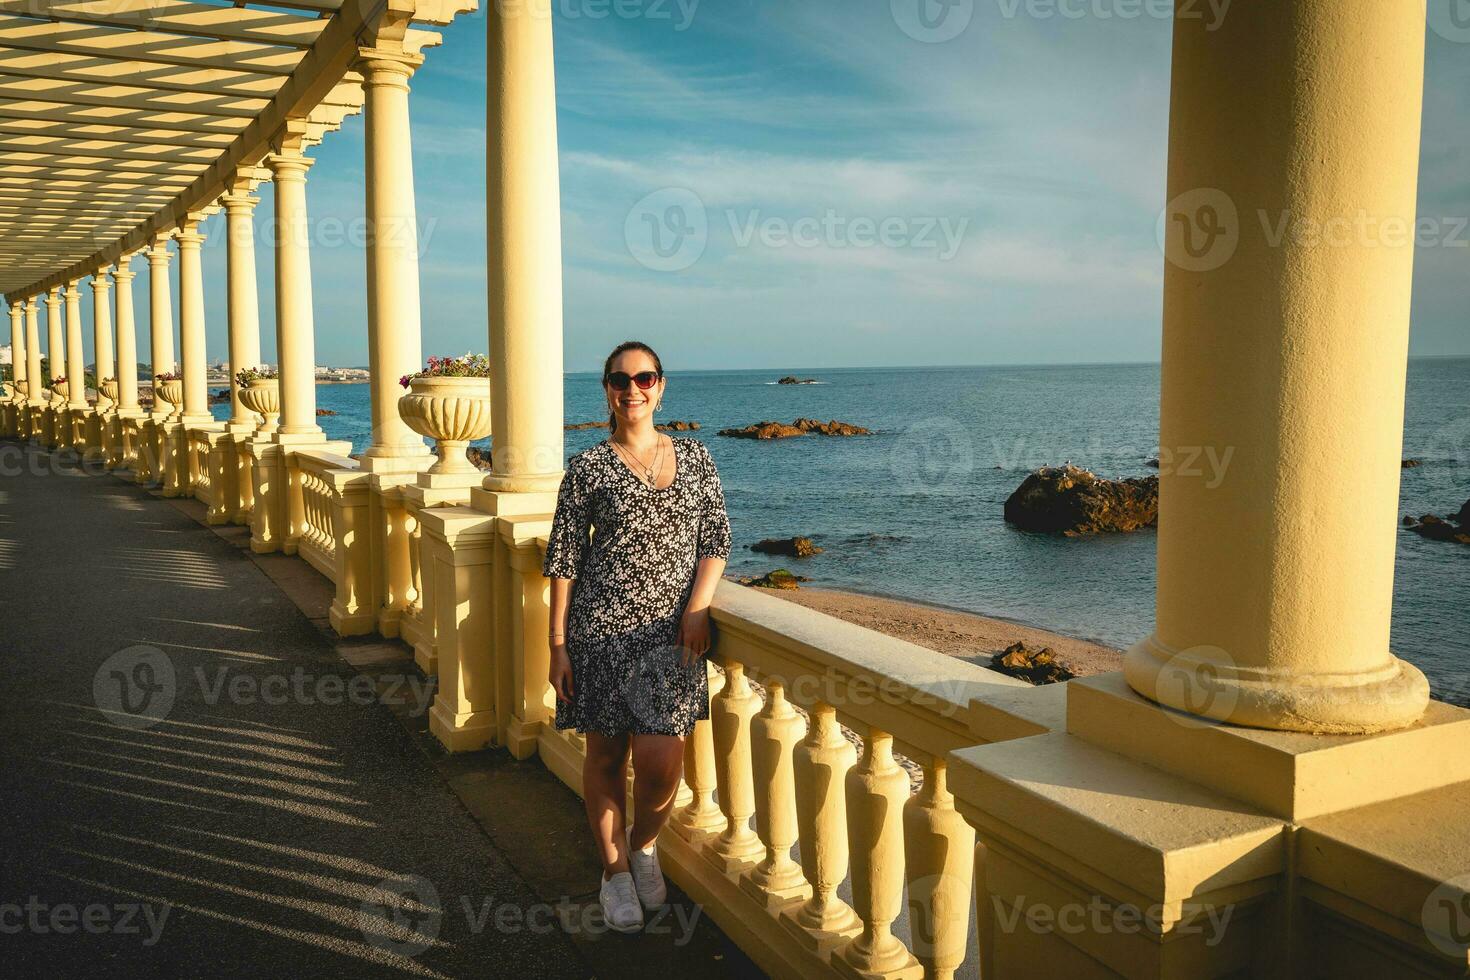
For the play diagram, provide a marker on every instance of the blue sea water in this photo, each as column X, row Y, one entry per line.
column 914, row 511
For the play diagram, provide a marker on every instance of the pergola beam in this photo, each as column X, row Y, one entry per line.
column 146, row 46
column 87, row 115
column 120, row 117
column 58, row 66
column 103, row 149
column 177, row 17
column 116, row 134
column 19, row 88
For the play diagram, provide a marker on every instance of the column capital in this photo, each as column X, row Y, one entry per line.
column 386, row 66
column 290, row 165
column 53, row 296
column 30, row 304
column 123, row 274
column 99, row 278
column 239, row 200
column 72, row 295
column 158, row 254
column 188, row 236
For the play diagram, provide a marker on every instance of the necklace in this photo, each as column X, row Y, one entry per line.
column 648, row 470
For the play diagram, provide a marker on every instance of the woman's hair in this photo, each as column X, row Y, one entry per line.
column 623, row 348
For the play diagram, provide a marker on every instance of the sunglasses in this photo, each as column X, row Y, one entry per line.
column 619, row 380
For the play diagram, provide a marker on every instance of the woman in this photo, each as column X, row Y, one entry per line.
column 630, row 620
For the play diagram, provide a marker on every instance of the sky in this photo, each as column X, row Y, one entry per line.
column 828, row 183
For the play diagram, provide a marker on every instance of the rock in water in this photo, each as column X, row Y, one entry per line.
column 791, row 547
column 1409, row 464
column 1437, row 528
column 778, row 579
column 1075, row 502
column 1037, row 666
column 677, row 426
column 780, row 430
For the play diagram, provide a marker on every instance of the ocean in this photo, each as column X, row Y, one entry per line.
column 914, row 511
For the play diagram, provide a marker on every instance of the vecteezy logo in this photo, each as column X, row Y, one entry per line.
column 1450, row 19
column 668, row 230
column 135, row 687
column 1446, row 917
column 402, row 915
column 1191, row 682
column 932, row 21
column 933, row 452
column 660, row 678
column 1200, row 230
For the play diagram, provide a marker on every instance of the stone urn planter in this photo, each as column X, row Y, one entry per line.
column 171, row 392
column 59, row 392
column 263, row 397
column 109, row 390
column 454, row 412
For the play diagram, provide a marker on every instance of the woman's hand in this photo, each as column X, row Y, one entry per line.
column 560, row 675
column 694, row 634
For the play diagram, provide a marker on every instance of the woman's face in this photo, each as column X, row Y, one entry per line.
column 635, row 403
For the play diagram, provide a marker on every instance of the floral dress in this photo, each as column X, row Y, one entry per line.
column 632, row 550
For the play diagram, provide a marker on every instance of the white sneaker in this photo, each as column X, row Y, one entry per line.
column 648, row 878
column 620, row 908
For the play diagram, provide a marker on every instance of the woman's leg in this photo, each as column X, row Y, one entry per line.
column 605, row 793
column 658, row 762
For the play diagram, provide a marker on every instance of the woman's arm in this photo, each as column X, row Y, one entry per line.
column 565, row 548
column 712, row 554
column 560, row 675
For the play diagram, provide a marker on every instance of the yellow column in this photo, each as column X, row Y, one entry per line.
column 1293, row 163
column 777, row 881
column 737, row 848
column 55, row 335
column 295, row 344
column 127, row 339
column 102, row 333
column 244, row 302
column 33, row 352
column 191, row 323
column 394, row 345
column 76, row 363
column 17, row 346
column 939, row 865
column 523, row 208
column 820, row 765
column 161, row 317
column 877, row 790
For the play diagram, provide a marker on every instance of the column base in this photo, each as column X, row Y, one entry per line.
column 521, row 737
column 1203, row 682
column 426, row 659
column 1292, row 775
column 457, row 732
column 1143, row 842
column 351, row 624
column 502, row 503
column 413, row 463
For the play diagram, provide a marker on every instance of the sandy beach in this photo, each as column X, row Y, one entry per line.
column 959, row 634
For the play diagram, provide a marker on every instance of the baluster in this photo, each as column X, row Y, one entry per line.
column 701, row 818
column 876, row 792
column 939, row 856
column 820, row 764
column 737, row 848
column 777, row 880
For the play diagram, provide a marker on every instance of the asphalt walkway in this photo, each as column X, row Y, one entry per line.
column 198, row 779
